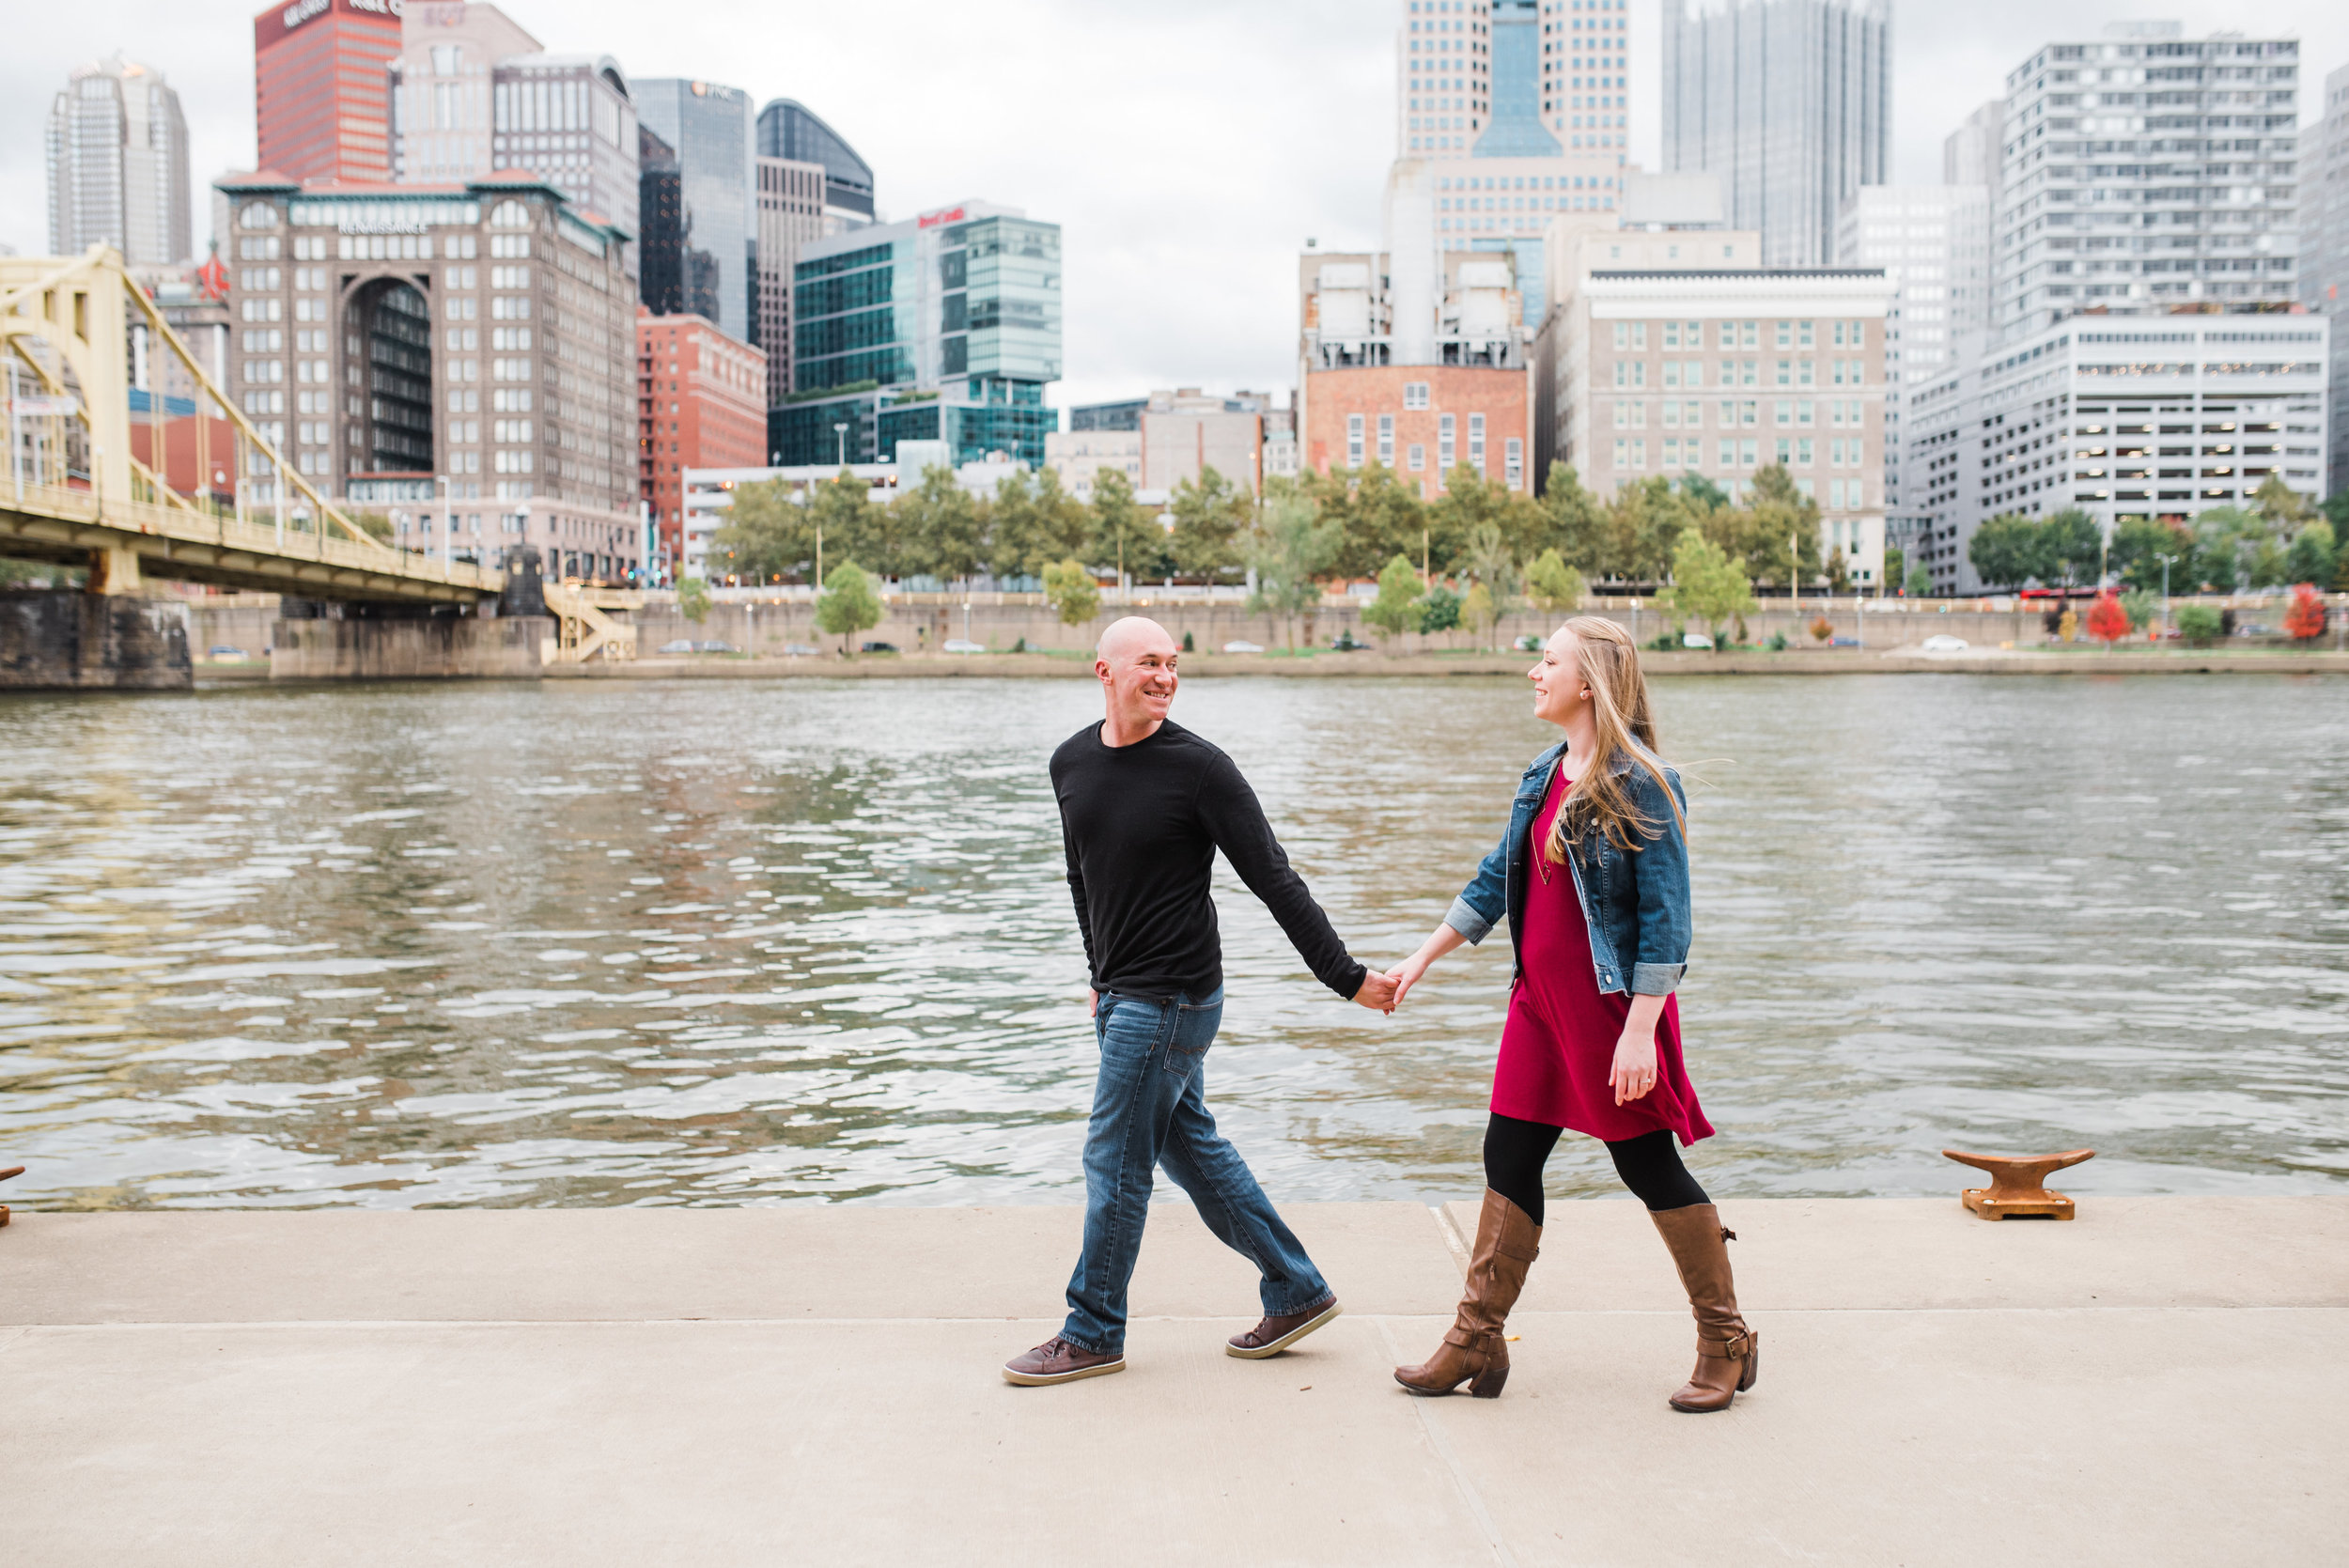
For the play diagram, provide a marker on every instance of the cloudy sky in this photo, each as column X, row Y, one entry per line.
column 1189, row 149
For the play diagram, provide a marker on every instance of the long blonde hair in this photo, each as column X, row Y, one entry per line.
column 1609, row 665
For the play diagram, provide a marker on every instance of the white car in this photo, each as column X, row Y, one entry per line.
column 1943, row 643
column 963, row 644
column 1695, row 640
column 1243, row 648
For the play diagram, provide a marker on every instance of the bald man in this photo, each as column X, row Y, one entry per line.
column 1145, row 804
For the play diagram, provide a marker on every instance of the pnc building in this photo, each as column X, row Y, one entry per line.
column 321, row 88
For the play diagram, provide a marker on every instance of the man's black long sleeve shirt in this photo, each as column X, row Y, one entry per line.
column 1141, row 824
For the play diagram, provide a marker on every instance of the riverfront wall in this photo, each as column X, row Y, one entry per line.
column 506, row 647
column 62, row 638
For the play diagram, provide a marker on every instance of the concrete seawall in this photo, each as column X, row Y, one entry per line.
column 2154, row 1383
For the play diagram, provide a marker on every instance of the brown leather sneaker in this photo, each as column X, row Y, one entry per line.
column 1058, row 1361
column 1275, row 1334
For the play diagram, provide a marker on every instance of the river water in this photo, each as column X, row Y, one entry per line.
column 735, row 942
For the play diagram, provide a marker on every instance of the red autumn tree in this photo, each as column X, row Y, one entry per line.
column 2107, row 621
column 2305, row 618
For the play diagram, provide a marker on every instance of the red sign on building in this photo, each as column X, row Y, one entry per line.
column 322, row 87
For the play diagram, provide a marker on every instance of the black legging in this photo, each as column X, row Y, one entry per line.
column 1515, row 1153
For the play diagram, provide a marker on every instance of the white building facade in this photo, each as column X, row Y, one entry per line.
column 2123, row 416
column 2145, row 168
column 709, row 491
column 2324, row 273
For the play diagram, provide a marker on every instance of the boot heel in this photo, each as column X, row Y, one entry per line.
column 1489, row 1383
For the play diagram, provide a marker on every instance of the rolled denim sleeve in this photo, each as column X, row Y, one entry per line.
column 1485, row 899
column 1660, row 873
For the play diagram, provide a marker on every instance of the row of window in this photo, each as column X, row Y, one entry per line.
column 1690, row 373
column 1790, row 334
column 1794, row 413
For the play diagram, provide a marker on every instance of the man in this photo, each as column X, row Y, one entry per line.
column 1144, row 805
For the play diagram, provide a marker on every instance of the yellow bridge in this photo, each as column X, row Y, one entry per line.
column 74, row 493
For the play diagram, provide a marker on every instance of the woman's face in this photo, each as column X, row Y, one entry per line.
column 1557, row 688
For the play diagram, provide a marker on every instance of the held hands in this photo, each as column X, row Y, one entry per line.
column 1378, row 992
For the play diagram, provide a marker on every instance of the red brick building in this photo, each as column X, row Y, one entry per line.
column 1422, row 420
column 701, row 402
column 321, row 88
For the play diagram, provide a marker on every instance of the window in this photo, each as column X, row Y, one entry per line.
column 1386, row 439
column 1785, row 414
column 1353, row 441
column 1746, row 453
column 1446, row 442
column 1476, row 441
column 1786, row 334
column 1785, row 372
column 1786, row 451
column 1671, row 417
column 257, row 214
column 1513, row 461
column 1802, row 453
column 509, row 214
column 1414, row 395
column 1804, row 334
column 1416, row 456
column 1729, row 453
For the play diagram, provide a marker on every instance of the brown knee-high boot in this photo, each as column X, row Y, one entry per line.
column 1507, row 1242
column 1729, row 1354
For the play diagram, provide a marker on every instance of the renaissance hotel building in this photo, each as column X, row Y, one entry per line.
column 459, row 358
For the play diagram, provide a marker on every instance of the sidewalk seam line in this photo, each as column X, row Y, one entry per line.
column 1451, row 1237
column 1468, row 1494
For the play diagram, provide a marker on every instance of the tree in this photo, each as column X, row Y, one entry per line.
column 1378, row 516
column 2279, row 504
column 1839, row 571
column 2005, row 551
column 1208, row 516
column 1895, row 566
column 2140, row 543
column 2305, row 618
column 847, row 605
column 1292, row 546
column 1706, row 583
column 1776, row 535
column 939, row 527
column 693, row 599
column 1478, row 613
column 2198, row 623
column 2140, row 605
column 844, row 519
column 1033, row 524
column 1919, row 583
column 768, row 533
column 1071, row 592
column 1471, row 507
column 2108, row 620
column 2311, row 558
column 1554, row 586
column 1574, row 523
column 1438, row 609
column 1495, row 569
column 1124, row 535
column 1397, row 609
column 2072, row 545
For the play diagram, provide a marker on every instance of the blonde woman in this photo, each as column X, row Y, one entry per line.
column 1593, row 875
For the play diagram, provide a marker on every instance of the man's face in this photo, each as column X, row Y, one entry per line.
column 1140, row 678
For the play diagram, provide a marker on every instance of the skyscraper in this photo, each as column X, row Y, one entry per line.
column 2148, row 168
column 119, row 165
column 2325, row 279
column 790, row 130
column 1930, row 240
column 708, row 127
column 321, row 88
column 1789, row 103
column 811, row 183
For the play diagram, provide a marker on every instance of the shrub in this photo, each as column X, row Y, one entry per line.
column 2199, row 624
column 2305, row 618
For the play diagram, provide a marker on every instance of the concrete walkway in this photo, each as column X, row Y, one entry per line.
column 2158, row 1382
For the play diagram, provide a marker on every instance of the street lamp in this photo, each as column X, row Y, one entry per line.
column 2165, row 560
column 841, row 434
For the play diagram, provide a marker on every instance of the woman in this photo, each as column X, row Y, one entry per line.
column 1593, row 875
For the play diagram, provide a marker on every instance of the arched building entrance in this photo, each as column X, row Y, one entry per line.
column 393, row 322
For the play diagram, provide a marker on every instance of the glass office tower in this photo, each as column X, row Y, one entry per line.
column 952, row 321
column 708, row 127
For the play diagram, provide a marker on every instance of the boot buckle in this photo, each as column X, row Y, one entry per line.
column 1731, row 1349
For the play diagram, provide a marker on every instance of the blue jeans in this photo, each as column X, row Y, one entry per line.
column 1150, row 1109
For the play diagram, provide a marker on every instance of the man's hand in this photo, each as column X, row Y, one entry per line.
column 1378, row 992
column 1093, row 1001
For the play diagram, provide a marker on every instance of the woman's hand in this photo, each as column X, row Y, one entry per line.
column 1405, row 975
column 1633, row 1074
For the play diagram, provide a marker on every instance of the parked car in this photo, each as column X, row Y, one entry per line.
column 222, row 650
column 683, row 645
column 963, row 644
column 714, row 647
column 1695, row 640
column 800, row 651
column 878, row 648
column 1243, row 648
column 1941, row 642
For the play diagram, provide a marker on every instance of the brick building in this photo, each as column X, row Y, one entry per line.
column 1422, row 420
column 321, row 88
column 701, row 402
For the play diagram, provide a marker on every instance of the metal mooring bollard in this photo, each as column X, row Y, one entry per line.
column 12, row 1171
column 2017, row 1184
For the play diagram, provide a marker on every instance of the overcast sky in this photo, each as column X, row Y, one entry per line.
column 1187, row 149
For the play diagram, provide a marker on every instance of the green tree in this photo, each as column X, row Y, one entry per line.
column 1438, row 609
column 1895, row 567
column 1776, row 532
column 1071, row 592
column 939, row 528
column 1919, row 583
column 768, row 533
column 2072, row 546
column 1378, row 516
column 2311, row 556
column 2281, row 504
column 1209, row 516
column 1553, row 586
column 1033, row 522
column 2006, row 552
column 1124, row 535
column 1575, row 524
column 1492, row 562
column 847, row 605
column 2226, row 547
column 1707, row 583
column 2140, row 605
column 2199, row 624
column 842, row 518
column 2140, row 543
column 1396, row 608
column 693, row 599
column 1479, row 612
column 1473, row 506
column 1292, row 546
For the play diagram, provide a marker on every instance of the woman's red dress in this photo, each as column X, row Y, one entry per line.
column 1559, row 1044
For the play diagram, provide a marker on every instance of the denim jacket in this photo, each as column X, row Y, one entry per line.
column 1636, row 902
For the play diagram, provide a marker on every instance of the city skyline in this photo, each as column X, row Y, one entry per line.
column 1224, row 125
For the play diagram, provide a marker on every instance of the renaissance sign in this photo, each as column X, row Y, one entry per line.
column 303, row 11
